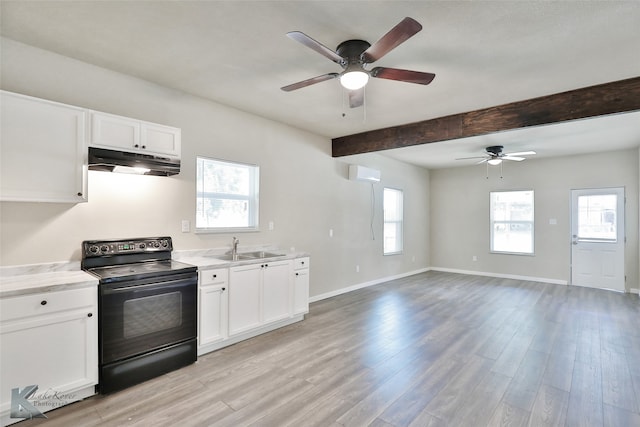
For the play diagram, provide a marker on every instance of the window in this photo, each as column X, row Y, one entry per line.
column 597, row 217
column 512, row 222
column 392, row 202
column 226, row 196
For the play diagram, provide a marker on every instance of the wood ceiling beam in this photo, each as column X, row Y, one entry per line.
column 609, row 98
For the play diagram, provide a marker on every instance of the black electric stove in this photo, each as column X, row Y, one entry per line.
column 147, row 307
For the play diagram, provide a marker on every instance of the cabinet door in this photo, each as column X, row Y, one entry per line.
column 115, row 132
column 301, row 292
column 161, row 139
column 58, row 353
column 213, row 314
column 244, row 298
column 43, row 151
column 276, row 288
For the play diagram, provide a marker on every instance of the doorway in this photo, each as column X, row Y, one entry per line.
column 597, row 238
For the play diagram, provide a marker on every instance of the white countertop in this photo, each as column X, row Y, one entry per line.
column 210, row 261
column 32, row 283
column 36, row 278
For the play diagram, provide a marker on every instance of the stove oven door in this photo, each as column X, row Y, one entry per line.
column 143, row 316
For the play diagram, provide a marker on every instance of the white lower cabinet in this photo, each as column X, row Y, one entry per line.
column 212, row 307
column 247, row 300
column 244, row 298
column 259, row 294
column 301, row 286
column 276, row 291
column 49, row 340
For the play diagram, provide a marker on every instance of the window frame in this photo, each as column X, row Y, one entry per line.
column 399, row 228
column 510, row 223
column 253, row 199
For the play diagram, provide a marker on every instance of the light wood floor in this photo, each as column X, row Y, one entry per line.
column 435, row 349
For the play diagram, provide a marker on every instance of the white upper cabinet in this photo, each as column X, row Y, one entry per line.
column 123, row 133
column 43, row 151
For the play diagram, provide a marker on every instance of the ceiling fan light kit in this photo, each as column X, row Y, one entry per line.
column 354, row 55
column 354, row 80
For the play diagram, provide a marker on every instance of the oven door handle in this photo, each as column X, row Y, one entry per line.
column 108, row 290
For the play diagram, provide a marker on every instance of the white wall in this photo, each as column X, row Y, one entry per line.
column 460, row 212
column 304, row 191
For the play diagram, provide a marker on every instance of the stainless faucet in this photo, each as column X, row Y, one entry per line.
column 234, row 248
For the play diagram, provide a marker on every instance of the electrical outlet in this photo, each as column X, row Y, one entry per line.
column 331, row 232
column 357, row 269
column 271, row 226
column 186, row 226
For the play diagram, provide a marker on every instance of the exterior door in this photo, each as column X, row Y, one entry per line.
column 597, row 237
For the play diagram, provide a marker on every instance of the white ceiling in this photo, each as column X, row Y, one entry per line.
column 483, row 53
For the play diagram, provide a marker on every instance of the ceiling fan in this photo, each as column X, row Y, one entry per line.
column 495, row 156
column 354, row 55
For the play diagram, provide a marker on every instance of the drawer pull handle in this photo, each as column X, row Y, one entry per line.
column 90, row 315
column 43, row 302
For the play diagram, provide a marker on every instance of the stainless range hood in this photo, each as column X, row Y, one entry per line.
column 111, row 160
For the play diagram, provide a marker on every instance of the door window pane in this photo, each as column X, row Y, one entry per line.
column 597, row 217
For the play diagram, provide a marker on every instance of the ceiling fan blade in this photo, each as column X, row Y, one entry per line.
column 510, row 157
column 470, row 158
column 408, row 76
column 315, row 45
column 397, row 35
column 309, row 82
column 356, row 98
column 521, row 153
column 483, row 161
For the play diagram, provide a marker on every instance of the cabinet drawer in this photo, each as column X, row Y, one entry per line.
column 300, row 263
column 216, row 276
column 47, row 302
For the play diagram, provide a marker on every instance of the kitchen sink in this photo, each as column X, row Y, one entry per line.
column 244, row 256
column 260, row 254
column 231, row 257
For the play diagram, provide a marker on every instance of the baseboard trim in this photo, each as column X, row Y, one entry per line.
column 365, row 285
column 502, row 276
column 635, row 291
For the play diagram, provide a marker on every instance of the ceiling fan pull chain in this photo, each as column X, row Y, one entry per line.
column 501, row 170
column 364, row 104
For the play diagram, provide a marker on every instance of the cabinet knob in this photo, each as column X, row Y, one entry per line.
column 224, row 289
column 297, row 274
column 43, row 302
column 144, row 146
column 136, row 146
column 90, row 315
column 302, row 262
column 215, row 275
column 79, row 194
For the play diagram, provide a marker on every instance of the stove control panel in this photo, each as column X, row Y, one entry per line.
column 96, row 248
